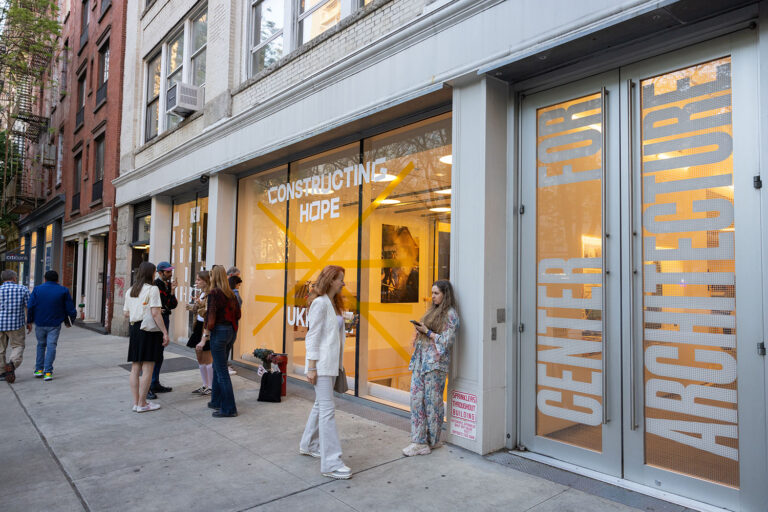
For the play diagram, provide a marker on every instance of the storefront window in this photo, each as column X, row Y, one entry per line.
column 48, row 247
column 22, row 267
column 190, row 225
column 32, row 258
column 380, row 208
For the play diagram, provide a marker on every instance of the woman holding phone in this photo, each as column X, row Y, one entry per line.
column 325, row 348
column 433, row 339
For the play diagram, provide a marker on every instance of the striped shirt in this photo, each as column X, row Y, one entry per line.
column 13, row 304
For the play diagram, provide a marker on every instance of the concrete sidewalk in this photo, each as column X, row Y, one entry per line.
column 74, row 444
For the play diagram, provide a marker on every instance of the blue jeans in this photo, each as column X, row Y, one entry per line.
column 158, row 364
column 47, row 338
column 222, row 396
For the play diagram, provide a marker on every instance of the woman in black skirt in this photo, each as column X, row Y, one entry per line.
column 142, row 307
column 202, row 346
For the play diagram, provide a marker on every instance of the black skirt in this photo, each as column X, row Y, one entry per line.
column 144, row 346
column 197, row 335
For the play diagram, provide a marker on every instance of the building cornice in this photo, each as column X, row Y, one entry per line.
column 96, row 220
column 413, row 32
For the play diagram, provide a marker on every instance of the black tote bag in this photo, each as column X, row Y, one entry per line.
column 271, row 384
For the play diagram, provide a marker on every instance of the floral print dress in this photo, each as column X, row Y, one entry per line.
column 429, row 367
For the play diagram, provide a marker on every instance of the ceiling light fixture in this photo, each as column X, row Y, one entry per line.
column 440, row 209
column 447, row 159
column 389, row 201
column 444, row 192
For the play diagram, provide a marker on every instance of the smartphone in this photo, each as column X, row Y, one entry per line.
column 415, row 322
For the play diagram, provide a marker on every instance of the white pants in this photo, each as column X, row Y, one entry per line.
column 320, row 434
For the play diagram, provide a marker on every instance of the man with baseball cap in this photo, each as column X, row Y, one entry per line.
column 167, row 287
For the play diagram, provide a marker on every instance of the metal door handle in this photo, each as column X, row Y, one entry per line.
column 633, row 270
column 605, row 235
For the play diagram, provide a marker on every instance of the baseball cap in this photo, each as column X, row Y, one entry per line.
column 164, row 265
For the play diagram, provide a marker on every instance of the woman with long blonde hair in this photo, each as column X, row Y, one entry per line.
column 221, row 319
column 325, row 348
column 433, row 339
column 200, row 338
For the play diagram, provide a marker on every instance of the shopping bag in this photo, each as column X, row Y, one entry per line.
column 340, row 386
column 271, row 383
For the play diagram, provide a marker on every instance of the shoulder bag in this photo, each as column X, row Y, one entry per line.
column 148, row 322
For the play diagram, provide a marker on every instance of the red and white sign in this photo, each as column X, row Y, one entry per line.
column 463, row 415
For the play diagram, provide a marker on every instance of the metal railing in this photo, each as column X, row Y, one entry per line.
column 101, row 92
column 96, row 191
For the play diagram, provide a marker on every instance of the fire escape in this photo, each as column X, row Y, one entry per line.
column 29, row 153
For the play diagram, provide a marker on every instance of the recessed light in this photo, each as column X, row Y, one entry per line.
column 389, row 201
column 444, row 192
column 440, row 209
column 447, row 159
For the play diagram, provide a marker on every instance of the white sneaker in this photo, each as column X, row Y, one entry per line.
column 207, row 391
column 416, row 449
column 134, row 408
column 343, row 473
column 151, row 406
column 231, row 371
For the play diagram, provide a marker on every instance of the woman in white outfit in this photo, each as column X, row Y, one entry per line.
column 325, row 347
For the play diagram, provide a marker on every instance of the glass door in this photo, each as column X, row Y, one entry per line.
column 571, row 408
column 640, row 275
column 694, row 384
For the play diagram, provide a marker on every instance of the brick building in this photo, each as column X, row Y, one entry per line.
column 85, row 122
column 572, row 167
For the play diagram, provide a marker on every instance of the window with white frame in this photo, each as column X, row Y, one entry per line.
column 277, row 27
column 104, row 63
column 181, row 58
column 317, row 16
column 153, row 98
column 174, row 66
column 199, row 45
column 266, row 44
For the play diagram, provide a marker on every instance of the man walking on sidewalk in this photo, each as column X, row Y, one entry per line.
column 49, row 305
column 169, row 302
column 13, row 305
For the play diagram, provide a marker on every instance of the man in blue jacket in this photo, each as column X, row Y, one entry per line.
column 49, row 305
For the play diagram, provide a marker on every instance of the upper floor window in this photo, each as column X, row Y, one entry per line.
column 59, row 156
column 98, row 160
column 84, row 22
column 175, row 70
column 77, row 178
column 199, row 45
column 104, row 64
column 267, row 18
column 277, row 27
column 103, row 73
column 63, row 67
column 153, row 98
column 317, row 16
column 182, row 58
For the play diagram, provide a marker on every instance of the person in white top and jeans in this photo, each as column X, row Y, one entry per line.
column 325, row 347
column 148, row 335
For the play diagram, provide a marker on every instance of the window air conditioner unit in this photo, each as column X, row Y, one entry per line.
column 184, row 99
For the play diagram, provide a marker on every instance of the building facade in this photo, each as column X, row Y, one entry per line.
column 587, row 175
column 83, row 103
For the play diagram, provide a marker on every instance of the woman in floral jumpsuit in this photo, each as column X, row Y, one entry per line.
column 433, row 340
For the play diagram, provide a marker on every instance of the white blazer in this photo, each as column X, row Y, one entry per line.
column 325, row 338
